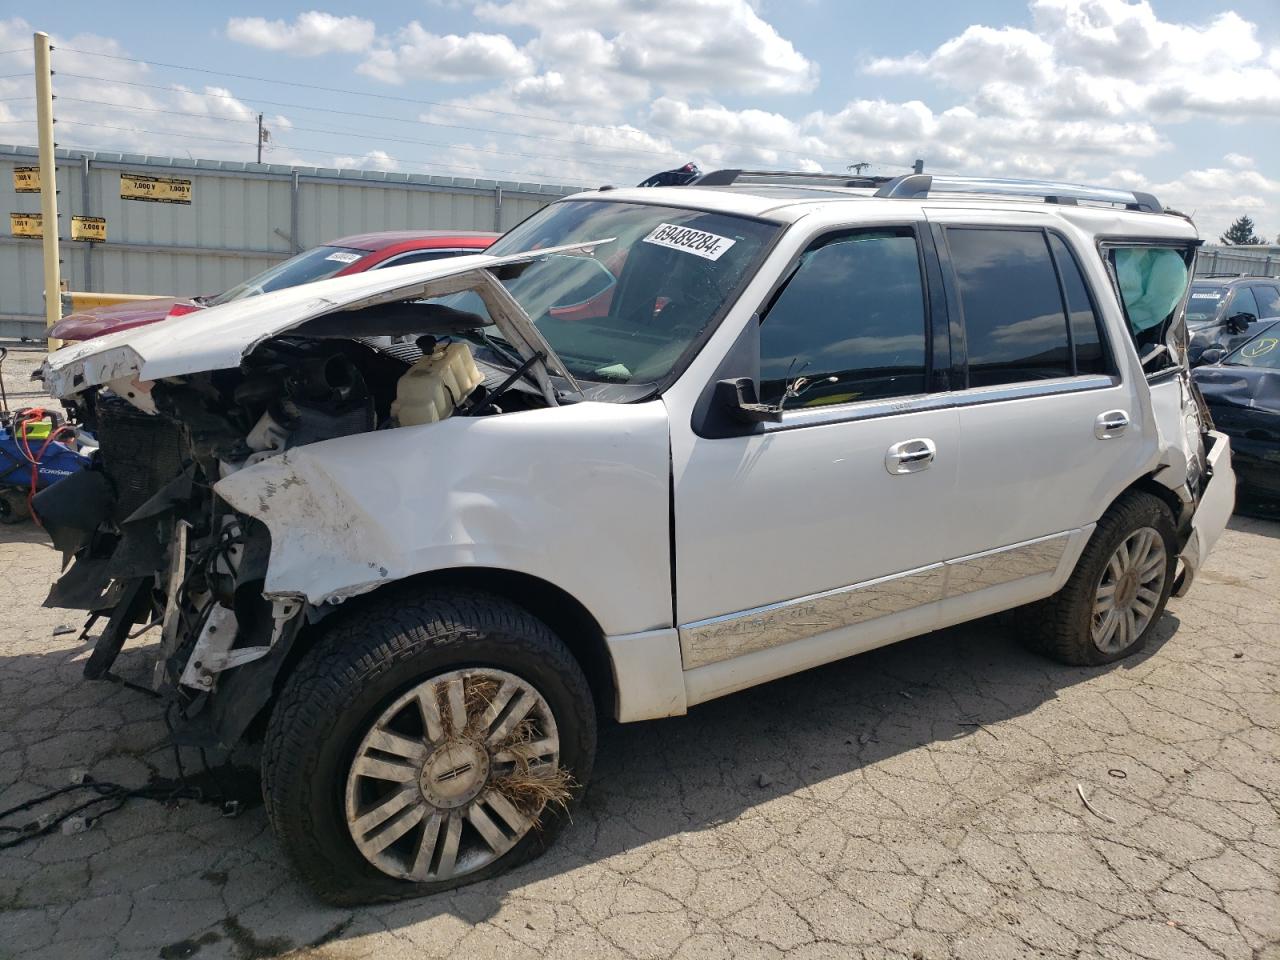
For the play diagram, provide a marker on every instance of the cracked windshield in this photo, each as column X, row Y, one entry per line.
column 625, row 310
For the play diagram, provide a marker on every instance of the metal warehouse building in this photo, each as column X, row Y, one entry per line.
column 212, row 223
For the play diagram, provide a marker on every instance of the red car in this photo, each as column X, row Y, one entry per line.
column 354, row 254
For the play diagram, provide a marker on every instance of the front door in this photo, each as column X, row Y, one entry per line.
column 829, row 520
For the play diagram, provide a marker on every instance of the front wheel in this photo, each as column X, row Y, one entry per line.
column 435, row 740
column 1109, row 607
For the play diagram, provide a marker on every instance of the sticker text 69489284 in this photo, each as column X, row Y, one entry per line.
column 698, row 242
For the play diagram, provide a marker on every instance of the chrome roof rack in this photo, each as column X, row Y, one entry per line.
column 725, row 178
column 920, row 186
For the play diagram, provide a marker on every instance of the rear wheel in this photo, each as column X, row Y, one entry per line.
column 1118, row 590
column 435, row 740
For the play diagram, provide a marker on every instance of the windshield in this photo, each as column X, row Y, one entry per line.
column 626, row 309
column 1203, row 304
column 314, row 264
column 1262, row 351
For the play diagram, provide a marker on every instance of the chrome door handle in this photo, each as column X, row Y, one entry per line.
column 1110, row 424
column 910, row 456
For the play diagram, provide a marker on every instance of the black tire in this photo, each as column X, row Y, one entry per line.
column 13, row 506
column 1061, row 626
column 357, row 669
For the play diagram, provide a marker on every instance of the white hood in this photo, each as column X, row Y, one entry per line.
column 217, row 338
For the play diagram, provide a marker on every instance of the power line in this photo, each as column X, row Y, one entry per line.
column 155, row 133
column 524, row 174
column 431, row 103
column 11, row 76
column 362, row 136
column 12, row 99
column 377, row 116
column 5, row 53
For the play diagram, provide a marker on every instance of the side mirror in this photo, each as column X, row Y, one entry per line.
column 1239, row 322
column 739, row 398
column 1212, row 355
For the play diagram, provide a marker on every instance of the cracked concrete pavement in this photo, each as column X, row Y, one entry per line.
column 915, row 802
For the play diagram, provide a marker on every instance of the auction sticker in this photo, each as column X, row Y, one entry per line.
column 26, row 179
column 135, row 186
column 342, row 256
column 709, row 246
column 1206, row 296
column 93, row 229
column 26, row 225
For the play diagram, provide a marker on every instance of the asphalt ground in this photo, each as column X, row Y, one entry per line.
column 920, row 801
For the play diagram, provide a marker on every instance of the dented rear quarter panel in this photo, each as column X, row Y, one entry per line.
column 576, row 495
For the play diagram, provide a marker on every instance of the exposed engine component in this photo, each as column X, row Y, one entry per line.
column 435, row 386
column 152, row 542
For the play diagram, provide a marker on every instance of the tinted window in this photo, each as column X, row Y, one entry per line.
column 1243, row 302
column 1268, row 301
column 1086, row 331
column 854, row 310
column 1015, row 328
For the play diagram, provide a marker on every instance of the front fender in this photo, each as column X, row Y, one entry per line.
column 578, row 495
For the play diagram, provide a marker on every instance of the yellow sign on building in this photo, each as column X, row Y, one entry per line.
column 89, row 228
column 26, row 225
column 134, row 186
column 26, row 179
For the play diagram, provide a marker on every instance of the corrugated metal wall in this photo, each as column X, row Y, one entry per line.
column 240, row 221
column 1252, row 262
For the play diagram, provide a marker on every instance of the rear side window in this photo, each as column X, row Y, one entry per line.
column 1268, row 301
column 1151, row 281
column 1014, row 322
column 851, row 322
column 1086, row 329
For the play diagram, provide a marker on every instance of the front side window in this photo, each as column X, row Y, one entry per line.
column 1268, row 301
column 1243, row 302
column 1014, row 321
column 854, row 310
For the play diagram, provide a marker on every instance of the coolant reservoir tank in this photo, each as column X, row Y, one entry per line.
column 430, row 389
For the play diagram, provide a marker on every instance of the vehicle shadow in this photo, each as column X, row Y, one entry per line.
column 1262, row 524
column 653, row 780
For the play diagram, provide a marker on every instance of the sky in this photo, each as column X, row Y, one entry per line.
column 1177, row 97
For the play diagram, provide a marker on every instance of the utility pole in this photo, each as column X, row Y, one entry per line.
column 48, row 185
column 857, row 168
column 259, row 138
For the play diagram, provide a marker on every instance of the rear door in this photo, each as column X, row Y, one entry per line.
column 1050, row 432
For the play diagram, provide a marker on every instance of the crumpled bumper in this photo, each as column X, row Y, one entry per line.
column 1212, row 513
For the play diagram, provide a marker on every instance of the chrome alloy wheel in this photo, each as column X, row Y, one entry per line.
column 434, row 791
column 1129, row 591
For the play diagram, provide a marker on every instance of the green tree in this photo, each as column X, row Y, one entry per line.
column 1240, row 232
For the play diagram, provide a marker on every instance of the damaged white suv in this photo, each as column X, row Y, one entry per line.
column 415, row 528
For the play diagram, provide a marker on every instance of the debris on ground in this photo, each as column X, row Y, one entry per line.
column 1091, row 808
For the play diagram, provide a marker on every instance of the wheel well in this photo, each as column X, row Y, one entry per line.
column 559, row 610
column 1149, row 484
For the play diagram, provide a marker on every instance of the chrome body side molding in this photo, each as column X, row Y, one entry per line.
column 721, row 638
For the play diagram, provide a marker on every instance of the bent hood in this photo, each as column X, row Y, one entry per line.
column 226, row 333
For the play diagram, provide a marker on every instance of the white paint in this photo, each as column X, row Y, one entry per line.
column 574, row 495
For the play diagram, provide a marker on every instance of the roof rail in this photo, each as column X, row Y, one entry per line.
column 919, row 186
column 725, row 178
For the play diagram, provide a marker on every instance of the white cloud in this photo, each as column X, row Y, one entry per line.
column 1106, row 58
column 373, row 160
column 690, row 45
column 1215, row 196
column 310, row 34
column 418, row 53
